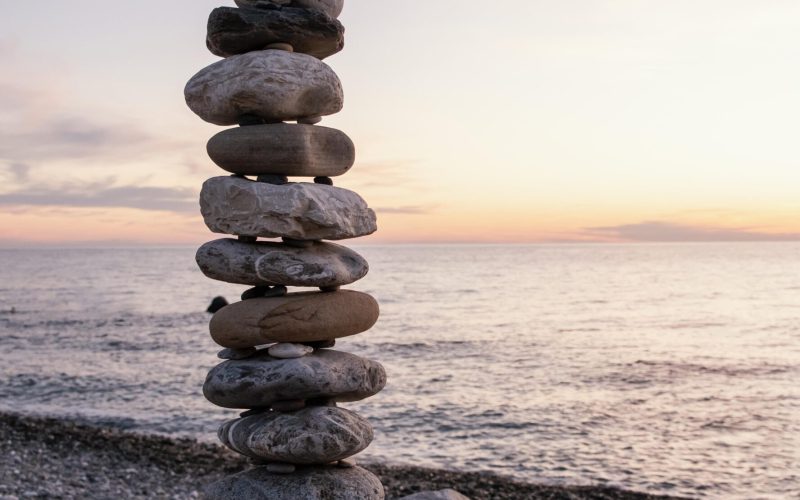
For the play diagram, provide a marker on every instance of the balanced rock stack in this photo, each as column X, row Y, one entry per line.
column 279, row 366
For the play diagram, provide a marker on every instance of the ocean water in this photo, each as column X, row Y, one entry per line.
column 668, row 368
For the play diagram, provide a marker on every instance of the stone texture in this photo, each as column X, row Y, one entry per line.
column 237, row 31
column 290, row 351
column 317, row 435
column 301, row 211
column 269, row 264
column 436, row 495
column 311, row 483
column 294, row 318
column 270, row 84
column 331, row 7
column 259, row 381
column 283, row 149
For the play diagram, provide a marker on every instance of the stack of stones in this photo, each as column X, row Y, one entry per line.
column 278, row 363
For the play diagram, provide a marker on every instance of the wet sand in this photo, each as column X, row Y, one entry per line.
column 48, row 458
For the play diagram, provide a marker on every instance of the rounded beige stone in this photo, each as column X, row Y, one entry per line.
column 283, row 149
column 294, row 318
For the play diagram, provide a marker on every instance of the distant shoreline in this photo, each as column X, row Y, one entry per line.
column 52, row 458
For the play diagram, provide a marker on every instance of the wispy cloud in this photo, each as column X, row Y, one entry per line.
column 662, row 231
column 180, row 200
column 406, row 210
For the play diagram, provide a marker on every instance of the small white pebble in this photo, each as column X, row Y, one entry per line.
column 290, row 351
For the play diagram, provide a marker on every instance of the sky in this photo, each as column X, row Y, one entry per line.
column 515, row 121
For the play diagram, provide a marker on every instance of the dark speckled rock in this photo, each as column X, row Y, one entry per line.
column 312, row 483
column 259, row 381
column 236, row 31
column 269, row 264
column 318, row 435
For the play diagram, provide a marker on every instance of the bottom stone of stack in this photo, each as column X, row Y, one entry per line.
column 308, row 483
column 318, row 435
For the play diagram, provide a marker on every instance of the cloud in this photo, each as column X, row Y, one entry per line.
column 384, row 174
column 661, row 231
column 180, row 200
column 19, row 171
column 408, row 210
column 38, row 126
column 72, row 138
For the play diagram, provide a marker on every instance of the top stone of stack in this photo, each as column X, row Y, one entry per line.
column 331, row 7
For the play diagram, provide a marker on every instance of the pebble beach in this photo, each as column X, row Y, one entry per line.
column 61, row 459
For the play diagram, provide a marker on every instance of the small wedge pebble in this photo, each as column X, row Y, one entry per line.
column 290, row 351
column 298, row 243
column 291, row 405
column 281, row 468
column 253, row 412
column 250, row 120
column 277, row 180
column 279, row 46
column 322, row 344
column 328, row 289
column 261, row 292
column 326, row 181
column 347, row 463
column 248, row 239
column 237, row 353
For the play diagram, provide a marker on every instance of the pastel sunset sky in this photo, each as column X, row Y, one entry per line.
column 474, row 121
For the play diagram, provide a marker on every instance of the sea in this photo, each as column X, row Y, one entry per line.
column 662, row 368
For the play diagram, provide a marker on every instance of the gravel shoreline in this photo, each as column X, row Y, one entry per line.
column 49, row 458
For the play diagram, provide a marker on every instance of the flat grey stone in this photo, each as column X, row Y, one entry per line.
column 331, row 7
column 317, row 435
column 259, row 381
column 271, row 264
column 274, row 85
column 300, row 211
column 283, row 149
column 436, row 495
column 234, row 31
column 308, row 483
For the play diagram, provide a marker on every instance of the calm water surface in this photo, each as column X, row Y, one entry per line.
column 669, row 368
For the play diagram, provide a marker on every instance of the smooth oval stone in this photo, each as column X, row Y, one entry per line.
column 259, row 381
column 290, row 351
column 283, row 149
column 318, row 435
column 234, row 31
column 300, row 211
column 270, row 264
column 331, row 7
column 271, row 84
column 307, row 483
column 294, row 318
